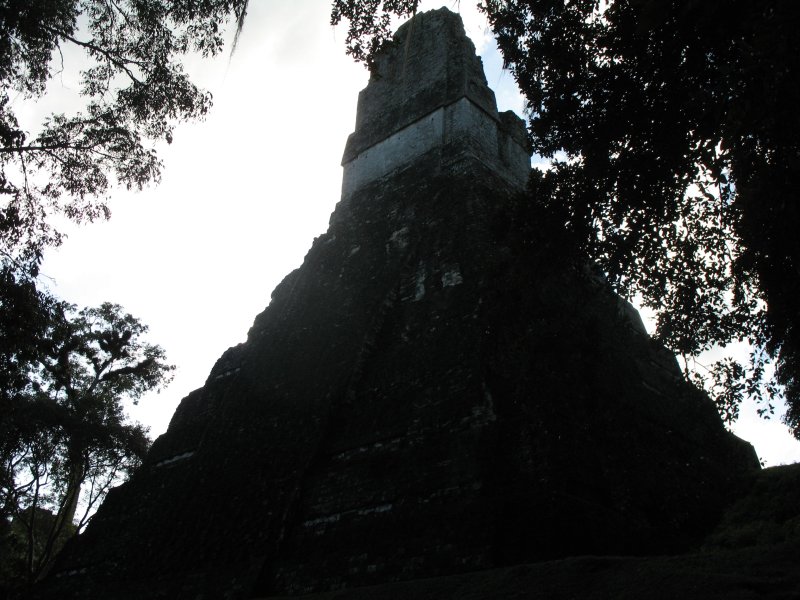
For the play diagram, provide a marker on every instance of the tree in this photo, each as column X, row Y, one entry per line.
column 64, row 373
column 673, row 137
column 135, row 90
column 60, row 405
column 66, row 439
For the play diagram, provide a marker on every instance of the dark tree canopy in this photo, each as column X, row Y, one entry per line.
column 135, row 91
column 674, row 143
column 64, row 436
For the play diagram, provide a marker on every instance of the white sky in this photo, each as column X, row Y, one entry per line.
column 243, row 195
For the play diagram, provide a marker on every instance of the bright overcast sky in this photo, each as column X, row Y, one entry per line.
column 243, row 195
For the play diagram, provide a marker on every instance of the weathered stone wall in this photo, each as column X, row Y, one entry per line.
column 455, row 131
column 430, row 63
column 500, row 415
column 419, row 399
column 428, row 92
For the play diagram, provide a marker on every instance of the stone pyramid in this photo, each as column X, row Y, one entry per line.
column 425, row 396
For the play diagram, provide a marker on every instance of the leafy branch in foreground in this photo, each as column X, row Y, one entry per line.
column 135, row 89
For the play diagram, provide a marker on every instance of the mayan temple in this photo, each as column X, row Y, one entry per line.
column 425, row 399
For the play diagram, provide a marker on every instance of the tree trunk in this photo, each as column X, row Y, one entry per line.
column 77, row 473
column 63, row 526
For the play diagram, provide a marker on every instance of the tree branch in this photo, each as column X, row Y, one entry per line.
column 120, row 63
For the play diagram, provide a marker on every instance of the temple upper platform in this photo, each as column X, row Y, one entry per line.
column 427, row 98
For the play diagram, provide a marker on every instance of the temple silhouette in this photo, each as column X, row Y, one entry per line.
column 429, row 402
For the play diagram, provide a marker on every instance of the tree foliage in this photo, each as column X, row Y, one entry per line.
column 135, row 91
column 673, row 137
column 369, row 23
column 65, row 437
column 64, row 373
